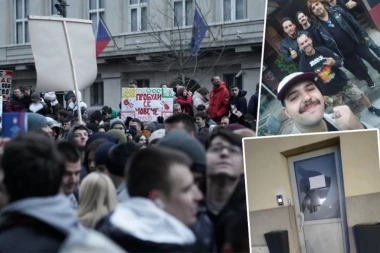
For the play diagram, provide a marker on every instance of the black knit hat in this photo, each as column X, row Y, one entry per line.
column 118, row 156
column 182, row 141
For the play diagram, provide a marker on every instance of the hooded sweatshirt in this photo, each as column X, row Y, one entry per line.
column 138, row 225
column 73, row 105
column 62, row 230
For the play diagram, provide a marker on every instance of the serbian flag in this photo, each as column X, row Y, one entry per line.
column 103, row 37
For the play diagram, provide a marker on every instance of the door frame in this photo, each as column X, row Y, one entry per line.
column 340, row 182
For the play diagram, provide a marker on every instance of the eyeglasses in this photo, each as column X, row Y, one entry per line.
column 219, row 148
column 329, row 24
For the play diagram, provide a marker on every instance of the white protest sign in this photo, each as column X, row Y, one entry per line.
column 6, row 84
column 146, row 104
column 64, row 53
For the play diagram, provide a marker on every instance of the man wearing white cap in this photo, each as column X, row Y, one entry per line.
column 303, row 103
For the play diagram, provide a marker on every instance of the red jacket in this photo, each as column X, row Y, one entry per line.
column 219, row 103
column 186, row 104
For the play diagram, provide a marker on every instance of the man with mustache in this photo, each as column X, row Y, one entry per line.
column 332, row 81
column 303, row 102
column 340, row 32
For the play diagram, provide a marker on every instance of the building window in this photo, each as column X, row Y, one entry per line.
column 96, row 10
column 53, row 10
column 230, row 80
column 183, row 13
column 234, row 10
column 97, row 94
column 143, row 83
column 22, row 13
column 138, row 15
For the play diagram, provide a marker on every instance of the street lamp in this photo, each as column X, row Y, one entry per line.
column 61, row 7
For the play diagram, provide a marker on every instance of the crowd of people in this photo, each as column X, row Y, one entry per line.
column 111, row 185
column 332, row 39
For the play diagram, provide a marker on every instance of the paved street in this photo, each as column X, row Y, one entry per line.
column 274, row 107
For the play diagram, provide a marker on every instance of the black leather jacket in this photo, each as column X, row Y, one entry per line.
column 347, row 23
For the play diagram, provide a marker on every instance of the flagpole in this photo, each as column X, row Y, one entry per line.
column 105, row 25
column 204, row 19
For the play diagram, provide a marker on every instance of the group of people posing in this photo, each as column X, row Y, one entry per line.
column 335, row 40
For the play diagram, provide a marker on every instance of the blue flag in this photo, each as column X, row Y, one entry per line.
column 199, row 32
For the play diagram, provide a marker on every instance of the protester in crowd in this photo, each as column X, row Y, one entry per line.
column 180, row 121
column 117, row 124
column 92, row 144
column 185, row 99
column 57, row 129
column 15, row 103
column 156, row 136
column 339, row 31
column 140, row 138
column 96, row 117
column 64, row 115
column 225, row 194
column 27, row 95
column 219, row 100
column 225, row 121
column 202, row 108
column 238, row 104
column 71, row 176
column 52, row 103
column 36, row 106
column 113, row 158
column 303, row 102
column 254, row 102
column 109, row 113
column 38, row 122
column 119, row 135
column 75, row 99
column 183, row 142
column 177, row 108
column 33, row 172
column 203, row 128
column 133, row 84
column 163, row 198
column 289, row 47
column 136, row 124
column 78, row 135
column 200, row 97
column 97, row 196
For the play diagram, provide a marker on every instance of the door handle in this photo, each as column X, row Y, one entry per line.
column 302, row 220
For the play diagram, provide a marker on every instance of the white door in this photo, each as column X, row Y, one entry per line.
column 318, row 193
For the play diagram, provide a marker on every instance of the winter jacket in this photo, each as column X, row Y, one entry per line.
column 241, row 105
column 253, row 103
column 236, row 204
column 284, row 49
column 14, row 104
column 186, row 104
column 198, row 99
column 138, row 225
column 40, row 108
column 346, row 22
column 43, row 224
column 204, row 230
column 219, row 103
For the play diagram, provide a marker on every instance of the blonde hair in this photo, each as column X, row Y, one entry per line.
column 97, row 197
